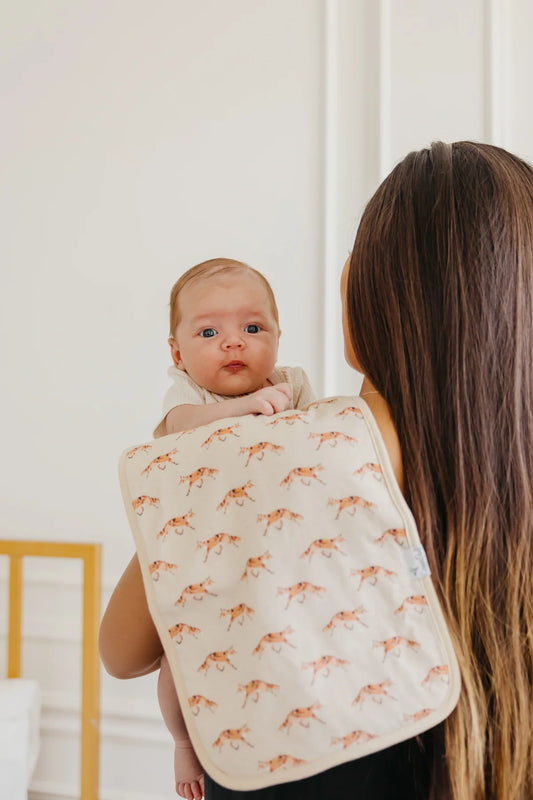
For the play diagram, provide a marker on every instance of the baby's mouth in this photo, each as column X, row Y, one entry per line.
column 234, row 365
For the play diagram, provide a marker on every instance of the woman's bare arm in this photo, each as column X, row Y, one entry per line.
column 128, row 640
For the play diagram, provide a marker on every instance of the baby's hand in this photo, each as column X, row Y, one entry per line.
column 193, row 790
column 270, row 399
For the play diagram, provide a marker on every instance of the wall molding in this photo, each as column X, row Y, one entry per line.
column 496, row 66
column 44, row 574
column 138, row 722
column 384, row 87
column 331, row 324
column 356, row 148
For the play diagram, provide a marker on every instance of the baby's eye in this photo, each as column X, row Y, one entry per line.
column 208, row 333
column 252, row 329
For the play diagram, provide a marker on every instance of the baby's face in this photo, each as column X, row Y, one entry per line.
column 227, row 337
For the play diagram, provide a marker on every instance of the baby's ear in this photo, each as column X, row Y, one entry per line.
column 175, row 353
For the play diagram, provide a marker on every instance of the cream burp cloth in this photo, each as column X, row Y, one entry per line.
column 285, row 576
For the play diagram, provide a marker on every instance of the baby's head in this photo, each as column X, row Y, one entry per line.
column 210, row 269
column 224, row 326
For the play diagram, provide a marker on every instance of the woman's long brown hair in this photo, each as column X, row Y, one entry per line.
column 440, row 313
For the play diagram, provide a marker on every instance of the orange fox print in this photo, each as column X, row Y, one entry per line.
column 176, row 524
column 325, row 547
column 299, row 590
column 290, row 420
column 281, row 761
column 219, row 659
column 346, row 618
column 278, row 517
column 238, row 613
column 252, row 688
column 198, row 701
column 234, row 736
column 197, row 477
column 238, row 496
column 196, row 591
column 301, row 715
column 416, row 601
column 424, row 712
column 274, row 640
column 440, row 672
column 142, row 448
column 350, row 504
column 186, row 432
column 177, row 631
column 375, row 692
column 372, row 573
column 324, row 665
column 258, row 450
column 141, row 502
column 161, row 462
column 304, row 474
column 217, row 543
column 318, row 403
column 332, row 438
column 255, row 564
column 346, row 412
column 156, row 567
column 398, row 535
column 395, row 645
column 370, row 469
column 355, row 737
column 221, row 434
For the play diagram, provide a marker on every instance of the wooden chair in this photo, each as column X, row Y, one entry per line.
column 90, row 680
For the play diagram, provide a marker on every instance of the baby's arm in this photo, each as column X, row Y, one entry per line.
column 268, row 401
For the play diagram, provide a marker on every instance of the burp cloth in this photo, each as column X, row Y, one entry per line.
column 285, row 576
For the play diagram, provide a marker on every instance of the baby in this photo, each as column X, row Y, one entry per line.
column 224, row 336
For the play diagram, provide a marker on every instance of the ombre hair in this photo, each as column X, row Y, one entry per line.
column 207, row 269
column 440, row 314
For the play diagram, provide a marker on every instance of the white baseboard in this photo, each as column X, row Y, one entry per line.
column 49, row 790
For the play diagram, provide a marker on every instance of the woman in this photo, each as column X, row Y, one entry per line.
column 438, row 315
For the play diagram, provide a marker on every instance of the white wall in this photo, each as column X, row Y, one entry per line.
column 137, row 139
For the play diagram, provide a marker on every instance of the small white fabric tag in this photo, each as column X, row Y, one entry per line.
column 417, row 562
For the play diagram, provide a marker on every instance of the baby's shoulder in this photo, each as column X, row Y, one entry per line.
column 180, row 376
column 184, row 390
column 291, row 375
column 302, row 391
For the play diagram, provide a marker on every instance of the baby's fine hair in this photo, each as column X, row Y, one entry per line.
column 215, row 266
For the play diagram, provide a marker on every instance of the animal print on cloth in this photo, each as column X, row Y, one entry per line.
column 285, row 576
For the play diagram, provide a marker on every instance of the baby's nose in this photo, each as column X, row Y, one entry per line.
column 233, row 341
